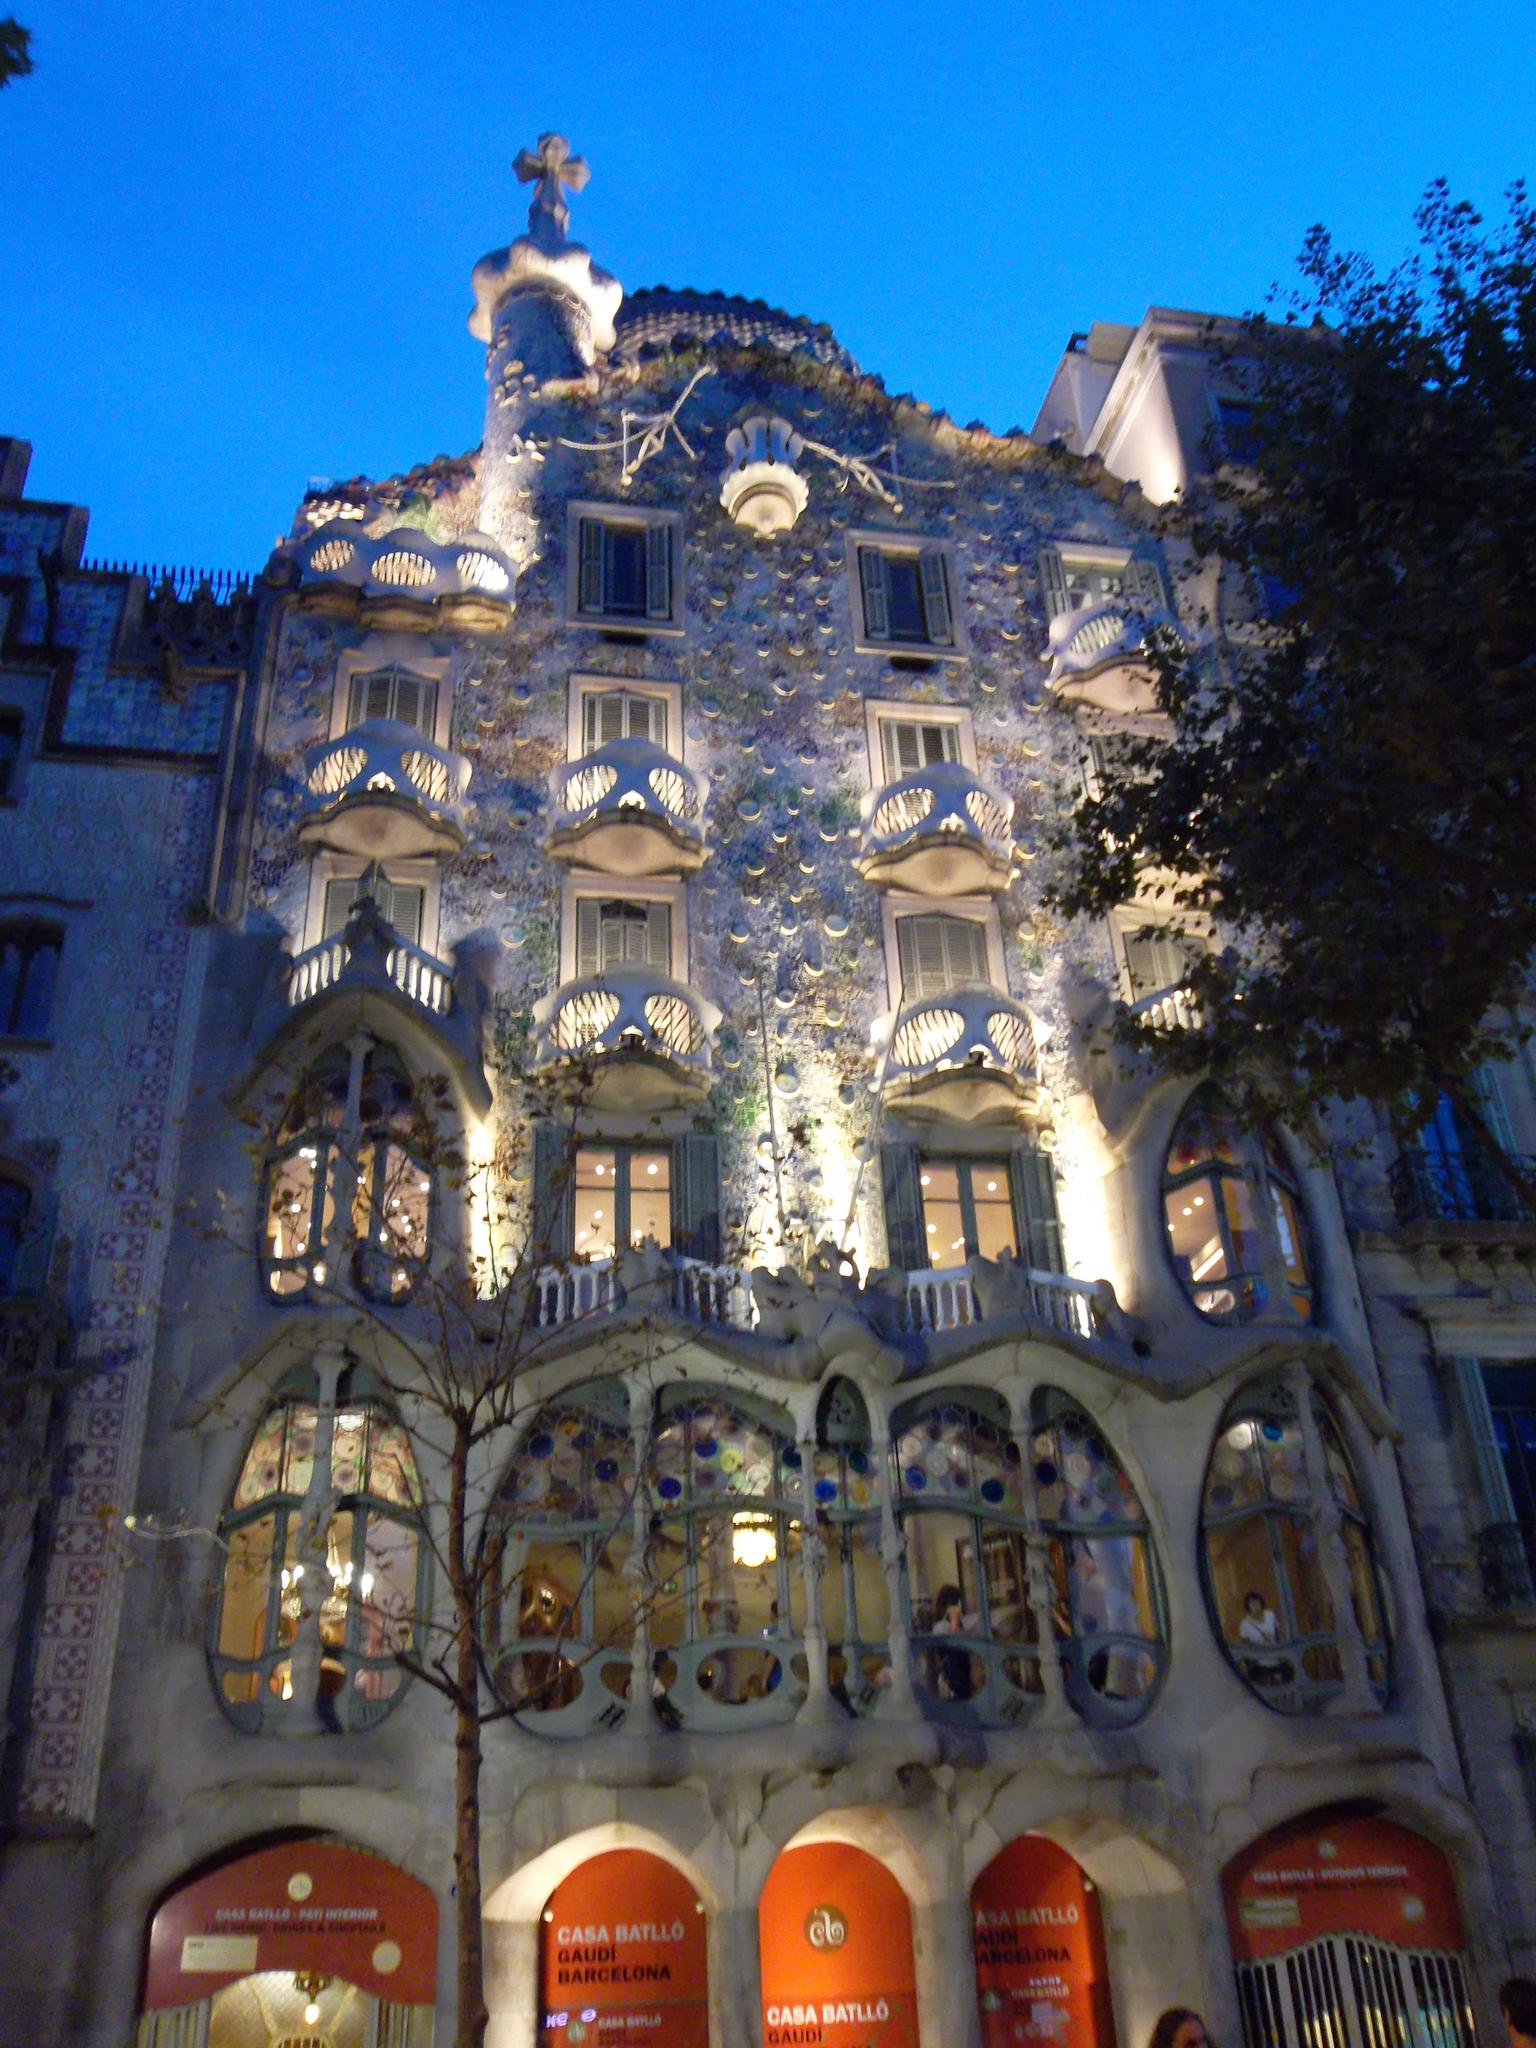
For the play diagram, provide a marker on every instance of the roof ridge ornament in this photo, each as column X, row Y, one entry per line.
column 547, row 169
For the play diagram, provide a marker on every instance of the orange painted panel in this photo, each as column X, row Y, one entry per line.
column 1349, row 1875
column 300, row 1906
column 624, row 1957
column 1042, row 1976
column 835, row 1933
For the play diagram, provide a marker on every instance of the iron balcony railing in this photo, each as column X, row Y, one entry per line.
column 1465, row 1186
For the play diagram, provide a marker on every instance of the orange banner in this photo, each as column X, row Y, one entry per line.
column 624, row 1957
column 1041, row 1972
column 1352, row 1874
column 835, row 1932
column 301, row 1906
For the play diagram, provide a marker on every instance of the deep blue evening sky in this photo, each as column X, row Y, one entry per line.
column 238, row 238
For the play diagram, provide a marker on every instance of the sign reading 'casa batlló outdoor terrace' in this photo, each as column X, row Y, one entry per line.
column 835, row 1932
column 623, row 1957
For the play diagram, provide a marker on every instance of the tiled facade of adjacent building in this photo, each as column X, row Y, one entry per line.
column 957, row 1483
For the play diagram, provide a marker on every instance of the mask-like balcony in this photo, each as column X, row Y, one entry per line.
column 384, row 792
column 628, row 809
column 648, row 1040
column 1106, row 655
column 967, row 1056
column 387, row 981
column 399, row 576
column 939, row 832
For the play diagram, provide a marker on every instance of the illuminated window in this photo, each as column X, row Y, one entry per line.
column 941, row 1212
column 383, row 1153
column 623, row 1195
column 725, row 1604
column 937, row 952
column 1264, row 1577
column 327, row 1576
column 855, row 1600
column 1107, row 1604
column 1073, row 579
column 1233, row 1216
column 393, row 693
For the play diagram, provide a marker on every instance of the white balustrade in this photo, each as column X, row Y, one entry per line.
column 414, row 973
column 1168, row 1009
column 698, row 1292
column 939, row 1299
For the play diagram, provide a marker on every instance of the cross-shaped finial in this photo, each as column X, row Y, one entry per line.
column 553, row 166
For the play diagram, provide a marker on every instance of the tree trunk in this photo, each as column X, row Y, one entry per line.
column 466, row 1675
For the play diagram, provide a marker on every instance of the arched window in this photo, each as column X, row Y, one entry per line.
column 725, row 1556
column 1234, row 1216
column 1107, row 1603
column 959, row 1490
column 559, row 1608
column 855, row 1604
column 383, row 1152
column 1264, row 1576
column 347, row 1561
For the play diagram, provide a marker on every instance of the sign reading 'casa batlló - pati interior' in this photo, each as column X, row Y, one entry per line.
column 623, row 1957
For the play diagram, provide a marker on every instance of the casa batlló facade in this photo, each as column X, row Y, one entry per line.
column 947, row 1569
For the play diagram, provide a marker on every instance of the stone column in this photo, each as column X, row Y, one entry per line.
column 314, row 1522
column 900, row 1702
column 819, row 1704
column 641, row 1715
column 1020, row 1394
column 1333, row 1560
column 944, row 1960
column 735, row 1979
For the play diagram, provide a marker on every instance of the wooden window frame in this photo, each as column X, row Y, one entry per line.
column 585, row 685
column 915, row 546
column 577, row 886
column 393, row 650
column 672, row 624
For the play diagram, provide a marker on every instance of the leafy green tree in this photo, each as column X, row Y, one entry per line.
column 15, row 50
column 1347, row 789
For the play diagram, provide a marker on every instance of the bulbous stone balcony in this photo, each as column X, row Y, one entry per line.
column 341, row 569
column 940, row 832
column 649, row 1040
column 967, row 1056
column 629, row 808
column 385, row 792
column 1106, row 655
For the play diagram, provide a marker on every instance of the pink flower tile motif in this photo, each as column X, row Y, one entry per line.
column 71, row 1663
column 55, row 1706
column 72, row 1619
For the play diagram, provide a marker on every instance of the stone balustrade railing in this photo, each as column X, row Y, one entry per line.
column 1168, row 1009
column 945, row 1299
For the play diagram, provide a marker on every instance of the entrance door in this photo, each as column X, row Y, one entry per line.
column 624, row 1957
column 1346, row 1934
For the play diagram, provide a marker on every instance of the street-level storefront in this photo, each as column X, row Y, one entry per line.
column 835, row 1934
column 1345, row 1930
column 623, row 1957
column 305, row 1939
column 1042, row 1976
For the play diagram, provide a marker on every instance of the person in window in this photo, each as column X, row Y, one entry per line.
column 1260, row 1626
column 1179, row 2027
column 952, row 1667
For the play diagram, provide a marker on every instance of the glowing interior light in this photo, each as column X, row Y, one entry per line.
column 923, row 1179
column 932, row 1228
column 1199, row 1201
column 287, row 1685
column 599, row 1170
column 311, row 2014
column 425, row 1186
column 991, row 1187
column 652, row 1167
column 319, row 1274
column 366, row 1584
column 597, row 1215
column 754, row 1541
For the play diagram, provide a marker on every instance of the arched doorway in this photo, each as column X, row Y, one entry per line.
column 1345, row 1929
column 623, row 1956
column 305, row 1941
column 835, row 1933
column 1042, row 1978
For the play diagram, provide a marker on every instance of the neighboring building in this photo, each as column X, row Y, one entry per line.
column 116, row 694
column 950, row 1574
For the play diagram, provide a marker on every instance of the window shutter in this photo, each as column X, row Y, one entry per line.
column 1488, row 1093
column 589, row 936
column 339, row 898
column 963, row 945
column 1154, row 964
column 940, row 743
column 909, row 956
column 936, row 611
column 1035, row 1214
column 872, row 582
column 648, row 720
column 658, row 937
column 898, row 748
column 696, row 1197
column 658, row 570
column 590, row 597
column 905, row 1246
column 554, row 1172
column 357, row 701
column 1053, row 584
column 1142, row 582
column 1486, row 1457
column 401, row 904
column 34, row 1251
